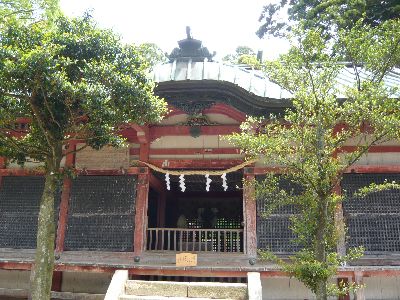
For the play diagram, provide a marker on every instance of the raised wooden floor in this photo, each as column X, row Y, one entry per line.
column 209, row 264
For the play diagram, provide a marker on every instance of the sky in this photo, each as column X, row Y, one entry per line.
column 222, row 25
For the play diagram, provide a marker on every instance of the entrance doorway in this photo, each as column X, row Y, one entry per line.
column 197, row 220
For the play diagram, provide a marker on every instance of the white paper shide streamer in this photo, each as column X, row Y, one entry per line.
column 224, row 184
column 208, row 181
column 182, row 182
column 167, row 181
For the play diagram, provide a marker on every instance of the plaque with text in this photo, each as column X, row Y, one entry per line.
column 186, row 260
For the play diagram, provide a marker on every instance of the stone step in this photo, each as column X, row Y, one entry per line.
column 214, row 290
column 133, row 297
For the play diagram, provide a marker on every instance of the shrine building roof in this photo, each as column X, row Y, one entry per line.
column 191, row 73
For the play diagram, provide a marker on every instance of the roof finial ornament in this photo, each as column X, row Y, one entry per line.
column 190, row 49
column 188, row 33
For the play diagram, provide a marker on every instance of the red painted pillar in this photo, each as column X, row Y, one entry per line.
column 250, row 213
column 2, row 166
column 65, row 195
column 142, row 195
column 57, row 281
column 2, row 162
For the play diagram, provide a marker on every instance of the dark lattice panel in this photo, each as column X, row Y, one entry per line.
column 19, row 209
column 382, row 202
column 372, row 221
column 273, row 232
column 376, row 233
column 101, row 213
column 264, row 203
column 197, row 183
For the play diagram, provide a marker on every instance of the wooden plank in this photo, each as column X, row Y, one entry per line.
column 353, row 169
column 81, row 172
column 250, row 215
column 372, row 149
column 186, row 151
column 159, row 131
column 141, row 213
column 374, row 169
column 195, row 163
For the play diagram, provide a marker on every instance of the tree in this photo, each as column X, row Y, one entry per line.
column 153, row 53
column 72, row 81
column 327, row 15
column 306, row 143
column 28, row 10
column 240, row 51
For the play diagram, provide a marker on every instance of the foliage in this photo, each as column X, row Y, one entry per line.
column 153, row 54
column 306, row 143
column 28, row 10
column 327, row 15
column 74, row 82
column 71, row 81
column 310, row 271
column 239, row 52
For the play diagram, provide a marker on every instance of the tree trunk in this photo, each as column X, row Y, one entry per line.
column 42, row 270
column 320, row 247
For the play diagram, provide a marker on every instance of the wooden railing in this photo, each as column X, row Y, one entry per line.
column 204, row 240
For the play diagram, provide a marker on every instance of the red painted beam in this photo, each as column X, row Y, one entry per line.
column 374, row 169
column 82, row 172
column 15, row 265
column 186, row 151
column 353, row 169
column 195, row 163
column 372, row 149
column 224, row 109
column 159, row 131
column 21, row 172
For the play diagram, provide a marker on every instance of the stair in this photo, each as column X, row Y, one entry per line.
column 137, row 289
column 123, row 289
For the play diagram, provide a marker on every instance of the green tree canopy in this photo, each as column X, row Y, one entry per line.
column 307, row 141
column 327, row 15
column 73, row 81
column 28, row 10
